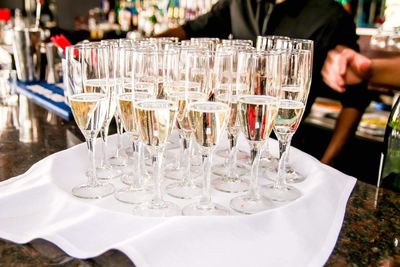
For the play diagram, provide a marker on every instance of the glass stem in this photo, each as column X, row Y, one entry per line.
column 205, row 200
column 136, row 174
column 266, row 149
column 187, row 146
column 231, row 164
column 284, row 144
column 288, row 150
column 104, row 137
column 254, row 159
column 91, row 144
column 181, row 159
column 157, row 200
column 120, row 130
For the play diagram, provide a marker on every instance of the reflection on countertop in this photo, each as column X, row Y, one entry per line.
column 29, row 133
column 369, row 237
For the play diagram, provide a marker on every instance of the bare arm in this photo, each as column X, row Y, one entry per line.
column 344, row 66
column 346, row 125
column 385, row 71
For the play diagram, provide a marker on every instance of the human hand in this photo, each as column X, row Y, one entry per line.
column 344, row 66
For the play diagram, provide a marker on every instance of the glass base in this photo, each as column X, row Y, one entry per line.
column 269, row 164
column 224, row 153
column 183, row 191
column 107, row 173
column 212, row 209
column 222, row 170
column 166, row 209
column 127, row 179
column 230, row 185
column 129, row 152
column 287, row 194
column 92, row 192
column 133, row 196
column 292, row 176
column 250, row 205
column 173, row 173
column 120, row 161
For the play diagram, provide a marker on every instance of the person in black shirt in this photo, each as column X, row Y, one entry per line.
column 323, row 21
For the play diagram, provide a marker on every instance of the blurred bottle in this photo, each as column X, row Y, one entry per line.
column 390, row 177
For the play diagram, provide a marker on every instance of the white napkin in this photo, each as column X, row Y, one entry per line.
column 38, row 204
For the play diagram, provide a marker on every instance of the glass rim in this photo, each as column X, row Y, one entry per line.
column 172, row 104
column 224, row 105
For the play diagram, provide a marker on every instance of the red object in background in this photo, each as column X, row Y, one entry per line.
column 61, row 41
column 5, row 14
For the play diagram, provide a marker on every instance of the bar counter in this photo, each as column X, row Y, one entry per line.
column 369, row 236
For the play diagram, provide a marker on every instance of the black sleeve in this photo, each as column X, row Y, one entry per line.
column 215, row 23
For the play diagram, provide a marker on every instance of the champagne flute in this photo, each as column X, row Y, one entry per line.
column 268, row 162
column 229, row 173
column 271, row 42
column 119, row 159
column 292, row 175
column 237, row 42
column 137, row 191
column 105, row 171
column 183, row 93
column 131, row 91
column 181, row 90
column 88, row 107
column 156, row 118
column 257, row 116
column 291, row 108
column 208, row 121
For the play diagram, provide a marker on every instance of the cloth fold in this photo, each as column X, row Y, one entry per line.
column 38, row 204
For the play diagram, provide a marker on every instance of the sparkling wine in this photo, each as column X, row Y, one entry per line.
column 183, row 99
column 155, row 119
column 125, row 108
column 108, row 87
column 208, row 120
column 257, row 116
column 88, row 110
column 289, row 116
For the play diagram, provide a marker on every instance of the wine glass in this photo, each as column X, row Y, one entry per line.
column 257, row 113
column 156, row 119
column 268, row 162
column 292, row 175
column 120, row 158
column 105, row 171
column 131, row 91
column 183, row 93
column 206, row 42
column 291, row 108
column 229, row 172
column 271, row 42
column 237, row 42
column 89, row 106
column 208, row 121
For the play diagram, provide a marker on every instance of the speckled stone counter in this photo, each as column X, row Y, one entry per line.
column 370, row 234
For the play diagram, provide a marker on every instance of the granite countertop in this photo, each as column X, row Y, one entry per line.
column 370, row 234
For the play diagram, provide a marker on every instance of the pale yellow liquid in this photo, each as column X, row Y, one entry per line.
column 183, row 99
column 257, row 116
column 155, row 121
column 208, row 120
column 88, row 110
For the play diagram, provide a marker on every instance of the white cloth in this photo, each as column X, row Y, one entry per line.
column 38, row 204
